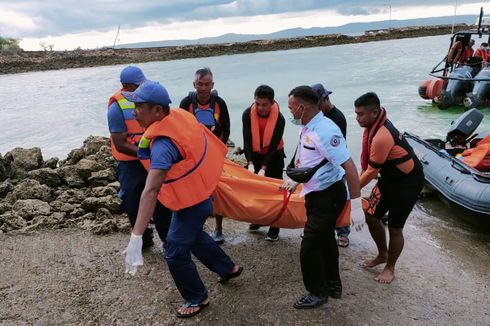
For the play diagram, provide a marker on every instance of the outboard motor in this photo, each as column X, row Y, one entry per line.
column 480, row 96
column 457, row 88
column 463, row 127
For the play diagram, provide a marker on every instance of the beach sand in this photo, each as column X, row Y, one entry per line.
column 71, row 276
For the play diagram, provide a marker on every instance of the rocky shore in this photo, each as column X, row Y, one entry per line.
column 80, row 191
column 25, row 61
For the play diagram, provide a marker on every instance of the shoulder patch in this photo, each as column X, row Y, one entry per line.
column 335, row 141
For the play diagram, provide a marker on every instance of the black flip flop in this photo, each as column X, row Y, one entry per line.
column 201, row 306
column 227, row 277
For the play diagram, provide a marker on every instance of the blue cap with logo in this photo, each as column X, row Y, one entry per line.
column 149, row 92
column 321, row 91
column 132, row 75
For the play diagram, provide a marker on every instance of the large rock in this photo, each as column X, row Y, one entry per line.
column 104, row 157
column 92, row 144
column 87, row 167
column 73, row 157
column 102, row 191
column 5, row 207
column 71, row 176
column 77, row 175
column 19, row 161
column 3, row 171
column 29, row 208
column 59, row 206
column 106, row 227
column 31, row 189
column 11, row 221
column 72, row 196
column 116, row 185
column 5, row 188
column 102, row 177
column 47, row 176
column 93, row 204
column 51, row 163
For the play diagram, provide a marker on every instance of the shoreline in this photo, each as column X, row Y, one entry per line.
column 26, row 61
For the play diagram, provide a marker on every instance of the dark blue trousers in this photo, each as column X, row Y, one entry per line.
column 132, row 178
column 186, row 236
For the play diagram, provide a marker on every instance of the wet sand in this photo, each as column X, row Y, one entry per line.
column 71, row 276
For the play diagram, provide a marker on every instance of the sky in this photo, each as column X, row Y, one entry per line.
column 88, row 24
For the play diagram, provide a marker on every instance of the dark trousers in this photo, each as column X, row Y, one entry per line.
column 319, row 255
column 132, row 178
column 274, row 170
column 186, row 236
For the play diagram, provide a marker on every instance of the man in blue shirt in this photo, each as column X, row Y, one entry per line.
column 125, row 135
column 186, row 161
column 325, row 195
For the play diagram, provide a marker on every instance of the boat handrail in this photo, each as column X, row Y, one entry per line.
column 459, row 78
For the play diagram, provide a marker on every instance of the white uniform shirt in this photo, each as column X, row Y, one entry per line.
column 321, row 138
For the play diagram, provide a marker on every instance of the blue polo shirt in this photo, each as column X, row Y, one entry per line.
column 163, row 154
column 321, row 138
column 115, row 119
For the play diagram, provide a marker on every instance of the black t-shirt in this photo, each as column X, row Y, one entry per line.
column 222, row 130
column 339, row 119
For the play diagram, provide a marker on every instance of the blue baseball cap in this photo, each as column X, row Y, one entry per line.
column 149, row 92
column 132, row 75
column 321, row 91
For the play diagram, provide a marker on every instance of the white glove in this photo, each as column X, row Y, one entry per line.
column 134, row 257
column 251, row 168
column 261, row 173
column 357, row 216
column 290, row 185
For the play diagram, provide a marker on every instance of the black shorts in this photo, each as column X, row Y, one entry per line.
column 397, row 199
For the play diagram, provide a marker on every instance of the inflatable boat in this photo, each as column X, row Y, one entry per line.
column 465, row 85
column 449, row 173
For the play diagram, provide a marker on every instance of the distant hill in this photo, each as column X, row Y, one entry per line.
column 348, row 29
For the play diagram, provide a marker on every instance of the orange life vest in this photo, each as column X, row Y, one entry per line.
column 134, row 130
column 194, row 178
column 261, row 144
column 481, row 53
column 479, row 157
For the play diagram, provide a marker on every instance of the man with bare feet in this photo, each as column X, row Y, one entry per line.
column 385, row 151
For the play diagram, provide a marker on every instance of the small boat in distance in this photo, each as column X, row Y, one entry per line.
column 465, row 84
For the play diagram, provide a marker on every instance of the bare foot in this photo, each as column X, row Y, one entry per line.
column 386, row 276
column 374, row 262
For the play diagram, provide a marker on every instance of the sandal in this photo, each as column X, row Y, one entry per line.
column 227, row 277
column 343, row 241
column 201, row 306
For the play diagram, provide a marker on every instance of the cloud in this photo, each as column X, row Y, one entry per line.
column 71, row 23
column 29, row 18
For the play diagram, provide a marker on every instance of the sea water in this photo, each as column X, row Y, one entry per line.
column 57, row 110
